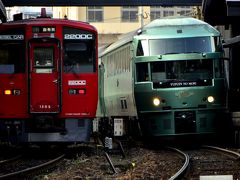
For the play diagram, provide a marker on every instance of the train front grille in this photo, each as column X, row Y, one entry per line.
column 185, row 122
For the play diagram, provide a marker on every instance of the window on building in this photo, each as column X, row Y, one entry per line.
column 129, row 14
column 155, row 12
column 168, row 13
column 95, row 14
column 185, row 13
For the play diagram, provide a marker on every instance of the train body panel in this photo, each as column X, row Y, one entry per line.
column 13, row 89
column 87, row 87
column 117, row 86
column 49, row 80
column 178, row 79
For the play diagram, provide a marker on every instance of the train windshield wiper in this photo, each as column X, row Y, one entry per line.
column 187, row 52
column 171, row 53
column 196, row 52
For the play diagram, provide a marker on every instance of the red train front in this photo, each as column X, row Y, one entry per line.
column 48, row 80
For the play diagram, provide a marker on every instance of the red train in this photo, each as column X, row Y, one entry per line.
column 48, row 80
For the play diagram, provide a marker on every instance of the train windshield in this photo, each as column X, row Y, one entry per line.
column 182, row 70
column 180, row 73
column 79, row 57
column 12, row 57
column 175, row 46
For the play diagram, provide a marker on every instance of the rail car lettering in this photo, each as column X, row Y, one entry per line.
column 77, row 114
column 44, row 106
column 183, row 84
column 78, row 36
column 77, row 82
column 11, row 37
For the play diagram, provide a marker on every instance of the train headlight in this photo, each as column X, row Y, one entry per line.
column 210, row 99
column 156, row 101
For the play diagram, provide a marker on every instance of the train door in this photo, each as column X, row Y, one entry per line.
column 44, row 78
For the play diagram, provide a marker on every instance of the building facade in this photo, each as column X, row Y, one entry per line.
column 112, row 22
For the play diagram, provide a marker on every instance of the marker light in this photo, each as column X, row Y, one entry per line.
column 76, row 91
column 156, row 101
column 81, row 91
column 7, row 92
column 210, row 99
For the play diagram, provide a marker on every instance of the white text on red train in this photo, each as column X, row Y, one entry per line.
column 11, row 37
column 45, row 106
column 77, row 82
column 78, row 36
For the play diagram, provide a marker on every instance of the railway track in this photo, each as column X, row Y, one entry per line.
column 9, row 160
column 213, row 161
column 25, row 167
column 181, row 172
column 141, row 163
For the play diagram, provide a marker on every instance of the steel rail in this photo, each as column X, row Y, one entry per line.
column 5, row 161
column 28, row 170
column 183, row 169
column 232, row 153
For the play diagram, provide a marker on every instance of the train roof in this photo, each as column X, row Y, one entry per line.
column 167, row 28
column 49, row 21
column 191, row 25
column 174, row 21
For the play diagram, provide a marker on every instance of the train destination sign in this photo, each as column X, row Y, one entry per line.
column 168, row 84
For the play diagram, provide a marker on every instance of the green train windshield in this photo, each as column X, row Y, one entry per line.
column 179, row 73
column 187, row 70
column 175, row 45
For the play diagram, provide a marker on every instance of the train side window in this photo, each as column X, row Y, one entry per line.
column 142, row 48
column 139, row 49
column 142, row 72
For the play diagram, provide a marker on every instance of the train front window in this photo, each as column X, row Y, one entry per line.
column 12, row 57
column 181, row 45
column 79, row 57
column 142, row 48
column 166, row 73
column 43, row 56
column 142, row 72
column 43, row 59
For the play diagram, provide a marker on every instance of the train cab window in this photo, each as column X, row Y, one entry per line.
column 43, row 59
column 142, row 48
column 158, row 71
column 182, row 70
column 142, row 72
column 79, row 57
column 218, row 68
column 12, row 57
column 181, row 45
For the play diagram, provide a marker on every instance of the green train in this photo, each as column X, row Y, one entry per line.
column 165, row 79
